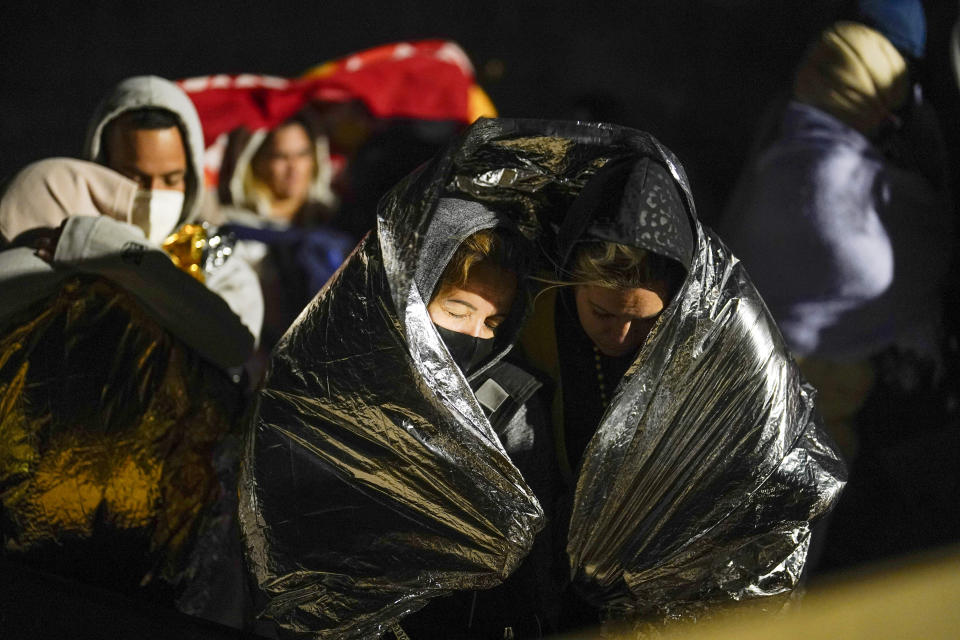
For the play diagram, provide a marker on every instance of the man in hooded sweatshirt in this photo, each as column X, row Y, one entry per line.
column 147, row 129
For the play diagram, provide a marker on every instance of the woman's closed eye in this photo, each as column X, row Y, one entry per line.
column 468, row 312
column 494, row 324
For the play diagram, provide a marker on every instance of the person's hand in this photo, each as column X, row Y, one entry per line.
column 45, row 242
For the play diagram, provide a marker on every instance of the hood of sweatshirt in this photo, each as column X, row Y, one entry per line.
column 142, row 92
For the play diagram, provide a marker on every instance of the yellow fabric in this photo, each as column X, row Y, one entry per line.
column 902, row 600
column 853, row 73
column 539, row 343
column 479, row 104
column 322, row 70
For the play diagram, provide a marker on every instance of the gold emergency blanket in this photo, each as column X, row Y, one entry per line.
column 372, row 481
column 107, row 429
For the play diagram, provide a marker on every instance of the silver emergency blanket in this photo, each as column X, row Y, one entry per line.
column 700, row 483
column 373, row 481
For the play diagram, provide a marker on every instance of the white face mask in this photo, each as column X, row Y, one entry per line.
column 157, row 212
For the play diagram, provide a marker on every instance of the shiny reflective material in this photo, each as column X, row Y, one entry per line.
column 700, row 482
column 196, row 249
column 185, row 247
column 107, row 433
column 373, row 481
column 219, row 248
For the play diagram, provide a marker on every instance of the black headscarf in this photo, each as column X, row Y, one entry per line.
column 632, row 202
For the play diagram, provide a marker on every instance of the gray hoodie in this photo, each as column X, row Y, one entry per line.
column 142, row 92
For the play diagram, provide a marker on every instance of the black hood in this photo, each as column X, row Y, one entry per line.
column 635, row 202
column 452, row 222
column 582, row 182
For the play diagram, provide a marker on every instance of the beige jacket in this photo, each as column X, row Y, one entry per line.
column 93, row 206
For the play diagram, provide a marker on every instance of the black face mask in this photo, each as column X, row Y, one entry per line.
column 467, row 351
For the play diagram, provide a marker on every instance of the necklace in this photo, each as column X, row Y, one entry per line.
column 600, row 381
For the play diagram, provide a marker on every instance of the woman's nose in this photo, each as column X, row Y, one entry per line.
column 476, row 329
column 619, row 331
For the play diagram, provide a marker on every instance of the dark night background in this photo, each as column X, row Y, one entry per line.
column 696, row 73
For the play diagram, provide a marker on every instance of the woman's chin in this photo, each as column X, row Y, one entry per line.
column 613, row 352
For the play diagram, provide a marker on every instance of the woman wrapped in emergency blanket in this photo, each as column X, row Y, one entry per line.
column 379, row 475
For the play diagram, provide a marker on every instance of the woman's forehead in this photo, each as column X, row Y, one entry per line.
column 636, row 302
column 491, row 283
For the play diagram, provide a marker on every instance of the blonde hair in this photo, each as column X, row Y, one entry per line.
column 483, row 246
column 618, row 266
column 855, row 74
column 258, row 195
column 612, row 266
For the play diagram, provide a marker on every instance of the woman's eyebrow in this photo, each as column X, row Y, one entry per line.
column 463, row 302
column 650, row 317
